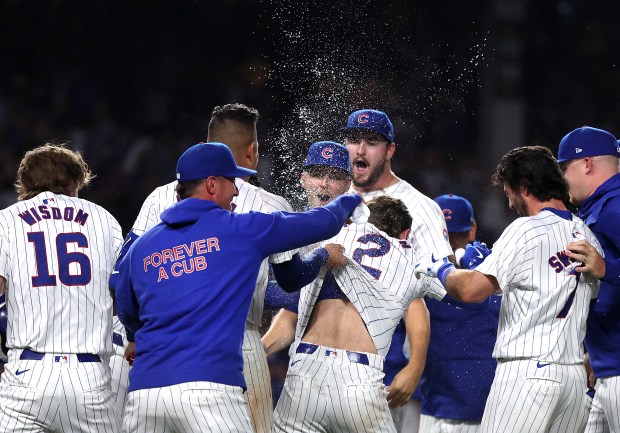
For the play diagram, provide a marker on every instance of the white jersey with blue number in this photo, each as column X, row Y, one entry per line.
column 57, row 253
column 378, row 280
column 429, row 233
column 545, row 302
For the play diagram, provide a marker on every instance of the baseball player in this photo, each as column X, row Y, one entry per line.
column 56, row 255
column 459, row 369
column 346, row 318
column 589, row 159
column 369, row 136
column 539, row 383
column 187, row 284
column 234, row 125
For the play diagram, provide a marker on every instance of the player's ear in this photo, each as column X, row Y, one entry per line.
column 472, row 232
column 404, row 235
column 251, row 154
column 391, row 149
column 302, row 179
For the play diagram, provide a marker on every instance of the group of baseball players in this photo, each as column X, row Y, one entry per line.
column 396, row 319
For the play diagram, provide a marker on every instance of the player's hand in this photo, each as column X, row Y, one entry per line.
column 336, row 259
column 472, row 255
column 402, row 387
column 429, row 266
column 589, row 258
column 130, row 352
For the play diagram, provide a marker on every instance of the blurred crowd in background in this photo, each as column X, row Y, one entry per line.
column 132, row 85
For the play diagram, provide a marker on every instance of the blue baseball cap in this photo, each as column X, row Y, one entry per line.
column 329, row 153
column 209, row 159
column 373, row 120
column 457, row 211
column 587, row 141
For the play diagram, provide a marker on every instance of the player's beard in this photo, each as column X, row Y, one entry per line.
column 373, row 174
column 519, row 206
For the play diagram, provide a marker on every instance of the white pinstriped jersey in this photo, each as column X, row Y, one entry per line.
column 378, row 280
column 57, row 253
column 429, row 233
column 545, row 302
column 250, row 198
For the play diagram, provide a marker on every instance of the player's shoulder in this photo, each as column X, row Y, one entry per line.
column 163, row 191
column 256, row 198
column 412, row 197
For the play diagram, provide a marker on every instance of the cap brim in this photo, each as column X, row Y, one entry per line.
column 361, row 128
column 240, row 172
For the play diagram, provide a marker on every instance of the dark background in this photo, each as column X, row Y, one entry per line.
column 132, row 84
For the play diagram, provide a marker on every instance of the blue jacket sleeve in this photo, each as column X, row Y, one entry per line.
column 127, row 307
column 284, row 231
column 276, row 298
column 612, row 272
column 296, row 273
column 607, row 230
column 129, row 240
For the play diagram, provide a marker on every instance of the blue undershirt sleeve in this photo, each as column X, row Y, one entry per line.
column 276, row 298
column 297, row 273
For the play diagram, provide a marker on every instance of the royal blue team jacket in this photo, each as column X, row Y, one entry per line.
column 184, row 287
column 601, row 212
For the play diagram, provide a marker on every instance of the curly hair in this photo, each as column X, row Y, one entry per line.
column 389, row 214
column 534, row 168
column 54, row 168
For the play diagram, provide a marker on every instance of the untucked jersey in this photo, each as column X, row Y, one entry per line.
column 378, row 280
column 57, row 253
column 250, row 198
column 429, row 233
column 545, row 301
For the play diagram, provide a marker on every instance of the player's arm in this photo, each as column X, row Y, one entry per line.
column 463, row 284
column 127, row 306
column 281, row 333
column 417, row 325
column 283, row 231
column 2, row 285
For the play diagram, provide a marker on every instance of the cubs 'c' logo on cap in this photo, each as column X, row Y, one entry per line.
column 447, row 214
column 327, row 153
column 362, row 118
column 618, row 146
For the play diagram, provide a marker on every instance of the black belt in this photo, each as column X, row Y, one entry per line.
column 357, row 357
column 31, row 355
column 117, row 339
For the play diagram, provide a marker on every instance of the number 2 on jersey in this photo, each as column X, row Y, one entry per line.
column 383, row 247
column 65, row 258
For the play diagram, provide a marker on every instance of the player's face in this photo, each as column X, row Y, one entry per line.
column 323, row 184
column 370, row 154
column 575, row 176
column 226, row 191
column 516, row 201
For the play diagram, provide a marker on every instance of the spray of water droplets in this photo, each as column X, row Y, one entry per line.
column 332, row 58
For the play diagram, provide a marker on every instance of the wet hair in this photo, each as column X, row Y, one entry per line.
column 389, row 215
column 54, row 168
column 534, row 168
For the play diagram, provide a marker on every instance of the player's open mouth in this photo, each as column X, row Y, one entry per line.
column 360, row 166
column 324, row 197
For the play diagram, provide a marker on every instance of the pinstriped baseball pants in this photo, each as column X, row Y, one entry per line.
column 332, row 394
column 605, row 413
column 258, row 382
column 187, row 407
column 56, row 394
column 533, row 397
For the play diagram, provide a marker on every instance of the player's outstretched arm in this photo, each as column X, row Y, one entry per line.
column 281, row 333
column 417, row 325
